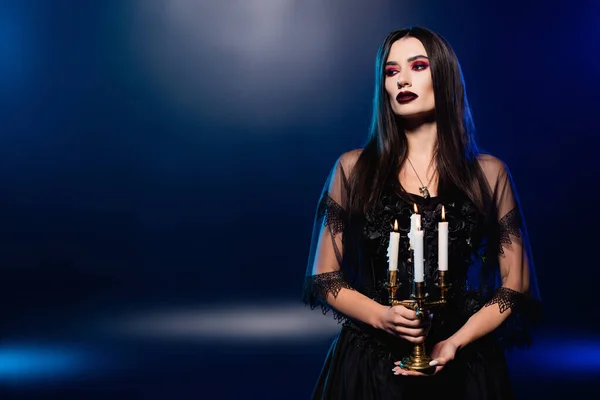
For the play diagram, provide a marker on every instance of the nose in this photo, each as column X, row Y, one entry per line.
column 403, row 80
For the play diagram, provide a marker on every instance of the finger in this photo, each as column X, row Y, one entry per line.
column 416, row 338
column 406, row 372
column 399, row 371
column 406, row 313
column 439, row 361
column 408, row 331
column 401, row 320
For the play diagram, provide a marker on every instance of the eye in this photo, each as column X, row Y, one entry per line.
column 391, row 71
column 420, row 66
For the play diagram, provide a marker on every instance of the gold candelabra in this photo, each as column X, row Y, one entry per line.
column 419, row 359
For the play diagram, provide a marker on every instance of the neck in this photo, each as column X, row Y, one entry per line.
column 421, row 137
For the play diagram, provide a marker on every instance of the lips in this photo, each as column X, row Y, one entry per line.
column 405, row 97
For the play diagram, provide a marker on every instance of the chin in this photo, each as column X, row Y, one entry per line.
column 405, row 112
column 408, row 112
column 411, row 110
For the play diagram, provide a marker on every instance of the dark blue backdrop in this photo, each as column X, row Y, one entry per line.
column 168, row 154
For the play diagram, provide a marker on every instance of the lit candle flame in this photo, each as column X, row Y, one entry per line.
column 396, row 225
column 443, row 213
column 416, row 209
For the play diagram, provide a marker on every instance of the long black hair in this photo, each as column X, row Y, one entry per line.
column 386, row 148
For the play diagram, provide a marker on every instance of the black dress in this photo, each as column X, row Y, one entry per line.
column 361, row 358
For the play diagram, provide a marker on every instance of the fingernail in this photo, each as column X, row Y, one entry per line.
column 434, row 363
column 396, row 372
column 404, row 373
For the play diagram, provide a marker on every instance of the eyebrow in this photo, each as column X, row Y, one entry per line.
column 411, row 59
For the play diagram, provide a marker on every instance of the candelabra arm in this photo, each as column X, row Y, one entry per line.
column 406, row 303
column 432, row 304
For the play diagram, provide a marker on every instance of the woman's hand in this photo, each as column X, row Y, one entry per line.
column 442, row 353
column 403, row 322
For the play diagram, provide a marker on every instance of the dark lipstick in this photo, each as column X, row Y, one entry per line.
column 405, row 97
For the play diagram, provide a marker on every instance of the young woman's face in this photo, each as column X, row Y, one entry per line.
column 408, row 79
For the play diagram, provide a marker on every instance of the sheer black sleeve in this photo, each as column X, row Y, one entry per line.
column 324, row 276
column 517, row 290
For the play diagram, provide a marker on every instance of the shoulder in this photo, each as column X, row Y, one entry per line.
column 490, row 163
column 495, row 170
column 339, row 176
column 348, row 160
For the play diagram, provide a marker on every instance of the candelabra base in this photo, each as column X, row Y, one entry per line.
column 418, row 361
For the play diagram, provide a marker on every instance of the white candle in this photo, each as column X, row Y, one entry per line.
column 415, row 225
column 418, row 256
column 393, row 248
column 443, row 242
column 415, row 219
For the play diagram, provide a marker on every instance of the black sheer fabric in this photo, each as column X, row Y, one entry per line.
column 490, row 265
column 317, row 287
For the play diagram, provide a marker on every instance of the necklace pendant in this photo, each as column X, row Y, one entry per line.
column 424, row 192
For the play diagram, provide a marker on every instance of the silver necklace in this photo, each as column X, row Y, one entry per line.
column 423, row 189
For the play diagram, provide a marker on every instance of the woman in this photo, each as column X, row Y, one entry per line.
column 420, row 152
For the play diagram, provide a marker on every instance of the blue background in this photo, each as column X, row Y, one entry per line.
column 165, row 157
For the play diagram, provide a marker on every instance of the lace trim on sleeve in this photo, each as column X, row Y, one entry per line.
column 333, row 215
column 525, row 314
column 506, row 298
column 510, row 224
column 317, row 287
